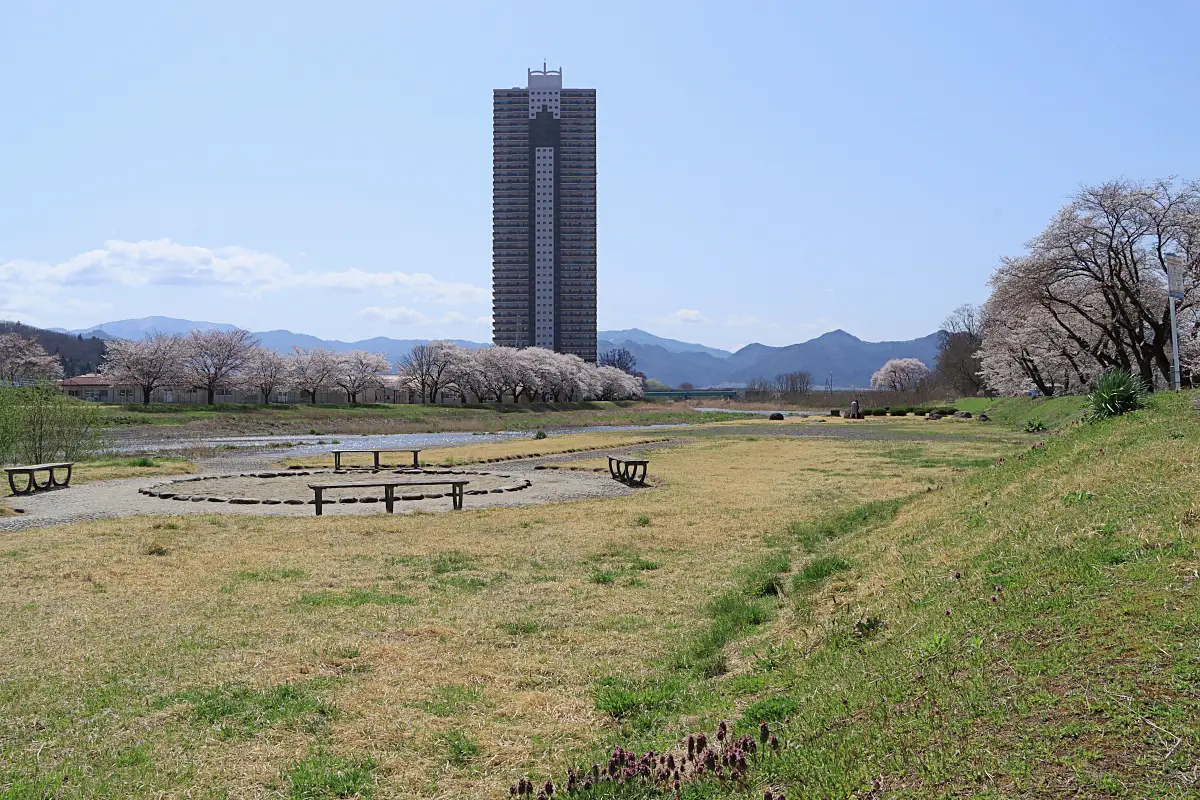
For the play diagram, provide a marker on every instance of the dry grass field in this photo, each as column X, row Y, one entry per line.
column 837, row 589
column 217, row 656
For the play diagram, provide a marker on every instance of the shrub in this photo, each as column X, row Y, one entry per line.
column 1116, row 392
column 40, row 424
column 879, row 412
column 946, row 411
column 920, row 411
column 1034, row 426
column 898, row 412
column 541, row 434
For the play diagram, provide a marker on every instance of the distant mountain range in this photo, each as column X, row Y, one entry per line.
column 849, row 359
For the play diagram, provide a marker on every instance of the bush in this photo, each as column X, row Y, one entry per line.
column 920, row 411
column 1116, row 392
column 898, row 412
column 946, row 411
column 879, row 412
column 40, row 424
column 541, row 434
column 1034, row 426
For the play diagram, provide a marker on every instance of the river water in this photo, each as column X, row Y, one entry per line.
column 300, row 445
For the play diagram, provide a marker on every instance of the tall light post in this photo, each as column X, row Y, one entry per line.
column 1175, row 275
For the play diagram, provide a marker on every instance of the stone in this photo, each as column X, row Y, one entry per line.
column 497, row 491
column 412, row 497
column 182, row 497
column 776, row 416
column 348, row 500
column 933, row 415
column 166, row 495
column 368, row 499
column 218, row 499
column 962, row 414
column 983, row 417
column 294, row 502
column 433, row 495
column 265, row 475
column 243, row 501
column 198, row 498
column 272, row 501
column 540, row 466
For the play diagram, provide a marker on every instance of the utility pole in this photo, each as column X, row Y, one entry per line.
column 1175, row 274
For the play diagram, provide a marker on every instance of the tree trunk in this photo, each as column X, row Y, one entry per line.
column 313, row 396
column 146, row 390
column 266, row 398
column 212, row 396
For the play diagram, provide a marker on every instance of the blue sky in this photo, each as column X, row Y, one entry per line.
column 767, row 171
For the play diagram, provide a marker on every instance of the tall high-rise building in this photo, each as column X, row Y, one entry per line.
column 544, row 216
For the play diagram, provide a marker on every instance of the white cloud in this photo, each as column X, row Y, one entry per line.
column 394, row 314
column 162, row 262
column 684, row 316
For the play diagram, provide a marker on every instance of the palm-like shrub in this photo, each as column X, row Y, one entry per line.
column 1116, row 392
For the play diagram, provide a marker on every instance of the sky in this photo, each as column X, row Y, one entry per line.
column 767, row 171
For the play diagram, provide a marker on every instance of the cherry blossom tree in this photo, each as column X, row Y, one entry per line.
column 312, row 371
column 1096, row 275
column 212, row 359
column 266, row 372
column 149, row 363
column 359, row 371
column 900, row 375
column 23, row 359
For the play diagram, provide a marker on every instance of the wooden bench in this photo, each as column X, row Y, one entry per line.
column 389, row 491
column 626, row 470
column 337, row 455
column 30, row 472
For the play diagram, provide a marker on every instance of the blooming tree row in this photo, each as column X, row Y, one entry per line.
column 1090, row 293
column 443, row 369
column 216, row 360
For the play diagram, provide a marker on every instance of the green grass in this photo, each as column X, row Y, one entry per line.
column 332, row 418
column 460, row 747
column 817, row 571
column 240, row 711
column 812, row 533
column 354, row 598
column 325, row 775
column 1053, row 412
column 451, row 700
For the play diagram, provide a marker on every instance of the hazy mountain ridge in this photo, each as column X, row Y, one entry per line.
column 850, row 359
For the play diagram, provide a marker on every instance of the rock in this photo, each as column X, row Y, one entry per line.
column 776, row 416
column 348, row 500
column 434, row 495
column 412, row 497
column 497, row 491
column 835, row 412
column 540, row 466
column 933, row 415
column 198, row 498
column 266, row 474
column 983, row 417
column 166, row 495
column 243, row 501
column 271, row 501
column 182, row 497
column 294, row 502
column 218, row 499
column 368, row 499
column 962, row 414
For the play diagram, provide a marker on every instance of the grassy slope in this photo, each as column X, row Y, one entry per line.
column 1054, row 412
column 892, row 671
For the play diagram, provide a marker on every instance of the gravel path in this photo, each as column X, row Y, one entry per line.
column 106, row 499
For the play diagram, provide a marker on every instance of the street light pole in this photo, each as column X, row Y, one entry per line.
column 1175, row 291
